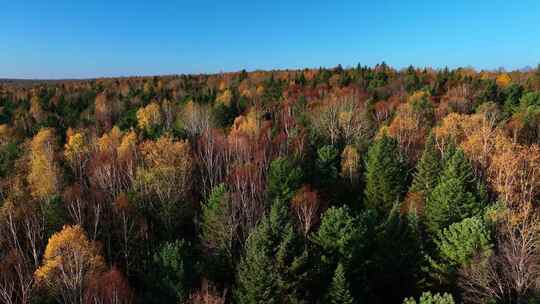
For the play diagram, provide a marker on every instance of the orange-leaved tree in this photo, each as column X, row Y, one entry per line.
column 69, row 263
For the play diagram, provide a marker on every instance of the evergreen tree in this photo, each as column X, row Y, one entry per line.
column 224, row 115
column 271, row 267
column 257, row 281
column 458, row 194
column 8, row 154
column 457, row 245
column 217, row 233
column 283, row 179
column 327, row 164
column 429, row 298
column 172, row 274
column 428, row 168
column 386, row 175
column 338, row 236
column 398, row 257
column 529, row 99
column 338, row 292
column 513, row 94
column 343, row 239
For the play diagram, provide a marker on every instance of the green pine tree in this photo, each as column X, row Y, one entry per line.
column 217, row 234
column 458, row 194
column 457, row 245
column 338, row 236
column 429, row 298
column 283, row 179
column 214, row 219
column 428, row 169
column 327, row 164
column 398, row 257
column 386, row 175
column 172, row 273
column 271, row 267
column 338, row 292
column 345, row 239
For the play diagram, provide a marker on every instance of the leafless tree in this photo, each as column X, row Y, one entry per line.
column 306, row 207
column 21, row 229
column 197, row 119
column 208, row 294
column 512, row 272
column 211, row 158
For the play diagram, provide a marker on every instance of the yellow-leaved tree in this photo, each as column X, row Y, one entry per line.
column 36, row 110
column 225, row 98
column 350, row 164
column 76, row 152
column 112, row 165
column 6, row 134
column 69, row 264
column 104, row 110
column 149, row 117
column 503, row 80
column 44, row 177
column 165, row 176
column 247, row 124
column 167, row 169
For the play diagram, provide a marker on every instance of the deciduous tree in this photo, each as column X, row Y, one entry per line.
column 307, row 208
column 110, row 287
column 350, row 164
column 511, row 273
column 69, row 263
column 514, row 171
column 44, row 176
column 149, row 118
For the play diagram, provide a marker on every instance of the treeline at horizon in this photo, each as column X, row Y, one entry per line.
column 356, row 185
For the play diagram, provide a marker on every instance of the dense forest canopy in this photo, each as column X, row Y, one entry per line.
column 341, row 185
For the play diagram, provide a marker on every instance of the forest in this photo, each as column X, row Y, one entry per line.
column 365, row 184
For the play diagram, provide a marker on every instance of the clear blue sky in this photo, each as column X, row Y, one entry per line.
column 66, row 39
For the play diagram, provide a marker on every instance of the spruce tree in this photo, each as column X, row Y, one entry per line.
column 268, row 273
column 386, row 175
column 327, row 165
column 398, row 258
column 428, row 168
column 339, row 236
column 215, row 220
column 218, row 235
column 283, row 179
column 339, row 293
column 172, row 274
column 345, row 239
column 458, row 194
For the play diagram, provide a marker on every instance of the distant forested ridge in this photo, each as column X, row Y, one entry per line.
column 341, row 185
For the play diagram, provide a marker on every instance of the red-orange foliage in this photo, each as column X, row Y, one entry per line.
column 110, row 287
column 208, row 294
column 458, row 99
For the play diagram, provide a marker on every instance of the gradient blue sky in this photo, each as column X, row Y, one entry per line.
column 78, row 39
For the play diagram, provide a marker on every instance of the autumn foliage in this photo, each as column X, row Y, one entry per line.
column 330, row 185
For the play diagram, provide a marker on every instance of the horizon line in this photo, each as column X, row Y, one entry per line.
column 525, row 68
